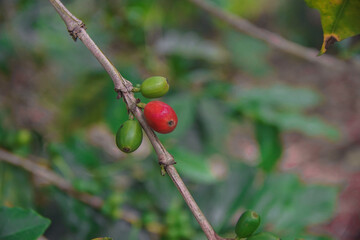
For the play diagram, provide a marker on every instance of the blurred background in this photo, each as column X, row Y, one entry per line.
column 258, row 129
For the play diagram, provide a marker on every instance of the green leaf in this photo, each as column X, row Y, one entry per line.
column 15, row 178
column 246, row 8
column 247, row 53
column 17, row 223
column 87, row 185
column 293, row 121
column 311, row 126
column 81, row 110
column 193, row 166
column 75, row 215
column 82, row 152
column 134, row 233
column 307, row 237
column 213, row 123
column 288, row 206
column 279, row 96
column 283, row 106
column 112, row 205
column 178, row 222
column 339, row 19
column 190, row 46
column 269, row 140
column 236, row 186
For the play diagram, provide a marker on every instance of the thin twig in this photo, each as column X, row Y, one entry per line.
column 273, row 39
column 50, row 177
column 56, row 180
column 77, row 30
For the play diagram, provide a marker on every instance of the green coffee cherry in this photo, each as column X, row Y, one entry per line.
column 129, row 136
column 23, row 137
column 263, row 236
column 154, row 87
column 248, row 222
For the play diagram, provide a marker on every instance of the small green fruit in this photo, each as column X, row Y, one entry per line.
column 263, row 236
column 154, row 87
column 129, row 136
column 23, row 137
column 247, row 224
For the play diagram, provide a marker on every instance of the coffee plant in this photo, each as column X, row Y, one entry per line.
column 82, row 161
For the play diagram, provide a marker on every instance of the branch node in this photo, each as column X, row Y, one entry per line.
column 128, row 85
column 119, row 93
column 125, row 87
column 75, row 30
column 166, row 161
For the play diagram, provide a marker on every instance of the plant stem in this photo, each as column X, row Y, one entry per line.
column 273, row 39
column 76, row 29
column 51, row 177
column 59, row 182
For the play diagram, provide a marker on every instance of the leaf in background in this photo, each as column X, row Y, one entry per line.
column 293, row 121
column 287, row 206
column 235, row 187
column 134, row 233
column 218, row 89
column 12, row 178
column 190, row 45
column 178, row 222
column 247, row 8
column 247, row 53
column 193, row 166
column 88, row 185
column 80, row 110
column 279, row 96
column 153, row 183
column 113, row 204
column 270, row 146
column 80, row 151
column 6, row 51
column 311, row 126
column 307, row 237
column 83, row 220
column 213, row 123
column 339, row 19
column 283, row 107
column 17, row 223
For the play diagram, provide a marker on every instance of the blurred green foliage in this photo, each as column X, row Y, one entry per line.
column 203, row 60
column 17, row 223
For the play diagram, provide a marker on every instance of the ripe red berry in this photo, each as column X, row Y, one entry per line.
column 160, row 116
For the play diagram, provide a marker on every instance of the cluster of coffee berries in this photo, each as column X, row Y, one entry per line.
column 159, row 115
column 247, row 224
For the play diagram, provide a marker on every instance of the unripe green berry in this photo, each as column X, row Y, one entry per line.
column 247, row 224
column 23, row 137
column 129, row 136
column 154, row 87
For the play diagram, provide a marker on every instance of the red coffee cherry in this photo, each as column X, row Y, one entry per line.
column 160, row 116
